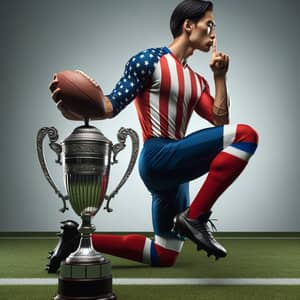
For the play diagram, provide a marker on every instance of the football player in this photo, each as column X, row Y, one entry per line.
column 166, row 91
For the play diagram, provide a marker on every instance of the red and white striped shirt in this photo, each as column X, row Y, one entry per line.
column 168, row 93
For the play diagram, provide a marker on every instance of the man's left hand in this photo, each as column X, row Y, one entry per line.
column 219, row 62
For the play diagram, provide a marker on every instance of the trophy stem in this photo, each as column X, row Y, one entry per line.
column 85, row 252
column 85, row 274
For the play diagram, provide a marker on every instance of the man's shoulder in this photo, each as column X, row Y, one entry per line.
column 144, row 61
column 150, row 55
column 152, row 52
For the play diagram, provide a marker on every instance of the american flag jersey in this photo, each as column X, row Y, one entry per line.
column 166, row 93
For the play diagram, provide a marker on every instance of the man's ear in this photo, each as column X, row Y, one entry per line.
column 187, row 26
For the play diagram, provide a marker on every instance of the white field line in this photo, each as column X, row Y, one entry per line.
column 164, row 281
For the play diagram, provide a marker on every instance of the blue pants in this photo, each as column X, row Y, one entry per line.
column 166, row 167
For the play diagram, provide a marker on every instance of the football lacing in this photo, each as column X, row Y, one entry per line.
column 92, row 80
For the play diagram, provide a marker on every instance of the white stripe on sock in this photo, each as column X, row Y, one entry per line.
column 169, row 243
column 229, row 132
column 238, row 153
column 147, row 252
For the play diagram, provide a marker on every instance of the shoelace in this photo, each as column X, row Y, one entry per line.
column 213, row 226
column 207, row 230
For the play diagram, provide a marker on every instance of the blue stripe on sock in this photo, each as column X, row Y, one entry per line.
column 244, row 146
column 154, row 255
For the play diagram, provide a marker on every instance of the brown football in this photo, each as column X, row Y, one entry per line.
column 80, row 93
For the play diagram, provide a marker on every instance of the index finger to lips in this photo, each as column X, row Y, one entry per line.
column 214, row 46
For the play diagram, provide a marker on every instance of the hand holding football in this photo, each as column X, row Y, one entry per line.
column 76, row 92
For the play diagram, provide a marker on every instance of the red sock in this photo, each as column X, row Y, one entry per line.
column 136, row 247
column 125, row 246
column 224, row 169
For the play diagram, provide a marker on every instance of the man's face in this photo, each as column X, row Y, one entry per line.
column 203, row 33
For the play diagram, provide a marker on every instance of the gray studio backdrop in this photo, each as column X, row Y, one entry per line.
column 39, row 38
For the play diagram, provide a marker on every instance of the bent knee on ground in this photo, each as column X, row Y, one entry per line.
column 166, row 258
column 166, row 251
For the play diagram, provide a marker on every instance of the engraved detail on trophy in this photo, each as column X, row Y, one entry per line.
column 86, row 148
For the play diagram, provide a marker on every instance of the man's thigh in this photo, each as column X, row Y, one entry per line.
column 177, row 162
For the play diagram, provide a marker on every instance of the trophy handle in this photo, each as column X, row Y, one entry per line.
column 57, row 148
column 122, row 135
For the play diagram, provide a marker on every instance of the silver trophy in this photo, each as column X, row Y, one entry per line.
column 86, row 156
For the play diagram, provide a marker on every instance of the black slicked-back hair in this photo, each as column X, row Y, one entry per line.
column 193, row 10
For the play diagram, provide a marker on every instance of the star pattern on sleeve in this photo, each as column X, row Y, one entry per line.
column 137, row 74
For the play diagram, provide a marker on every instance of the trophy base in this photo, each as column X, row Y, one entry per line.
column 92, row 281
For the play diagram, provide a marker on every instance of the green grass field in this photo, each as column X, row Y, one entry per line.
column 247, row 258
column 166, row 292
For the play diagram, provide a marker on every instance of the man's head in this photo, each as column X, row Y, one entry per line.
column 194, row 18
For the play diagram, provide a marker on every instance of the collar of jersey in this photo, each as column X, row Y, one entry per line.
column 167, row 50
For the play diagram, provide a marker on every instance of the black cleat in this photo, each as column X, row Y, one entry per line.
column 199, row 233
column 68, row 242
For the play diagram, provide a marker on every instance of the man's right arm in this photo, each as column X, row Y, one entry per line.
column 138, row 72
